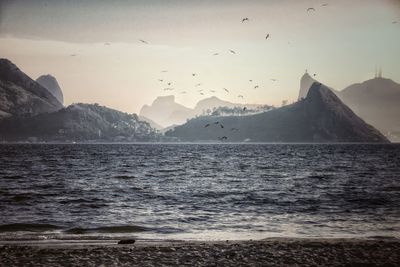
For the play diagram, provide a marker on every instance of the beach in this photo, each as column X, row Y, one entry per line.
column 267, row 252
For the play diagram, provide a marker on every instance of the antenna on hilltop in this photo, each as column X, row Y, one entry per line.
column 380, row 72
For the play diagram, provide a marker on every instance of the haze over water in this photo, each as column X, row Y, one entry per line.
column 199, row 191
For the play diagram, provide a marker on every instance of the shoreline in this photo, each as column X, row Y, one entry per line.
column 270, row 252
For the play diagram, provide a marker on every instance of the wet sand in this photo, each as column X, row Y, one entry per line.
column 269, row 252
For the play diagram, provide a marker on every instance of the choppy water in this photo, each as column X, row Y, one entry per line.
column 199, row 191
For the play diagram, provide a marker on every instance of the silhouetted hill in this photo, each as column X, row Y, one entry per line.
column 51, row 84
column 377, row 101
column 320, row 117
column 22, row 96
column 165, row 111
column 78, row 122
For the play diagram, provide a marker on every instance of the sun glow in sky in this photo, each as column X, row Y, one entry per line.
column 341, row 43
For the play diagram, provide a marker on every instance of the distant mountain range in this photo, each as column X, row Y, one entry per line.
column 377, row 101
column 33, row 110
column 165, row 111
column 22, row 96
column 320, row 117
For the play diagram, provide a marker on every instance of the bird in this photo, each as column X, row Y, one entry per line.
column 202, row 93
column 169, row 83
column 72, row 55
column 164, row 71
column 198, row 84
column 324, row 4
column 161, row 80
column 143, row 41
column 217, row 122
column 274, row 80
column 240, row 96
column 394, row 22
column 255, row 87
column 205, row 126
column 107, row 43
column 222, row 126
column 216, row 54
column 233, row 52
column 250, row 80
column 212, row 91
column 310, row 9
column 266, row 37
column 226, row 90
column 314, row 74
column 244, row 109
column 245, row 19
column 193, row 74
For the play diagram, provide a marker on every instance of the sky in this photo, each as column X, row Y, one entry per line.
column 93, row 48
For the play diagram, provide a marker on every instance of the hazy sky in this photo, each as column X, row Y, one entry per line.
column 341, row 42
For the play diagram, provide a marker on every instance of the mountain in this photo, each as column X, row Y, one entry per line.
column 78, row 122
column 305, row 83
column 320, row 117
column 22, row 96
column 166, row 112
column 51, row 84
column 377, row 101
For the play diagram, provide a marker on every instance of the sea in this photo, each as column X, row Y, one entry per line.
column 198, row 191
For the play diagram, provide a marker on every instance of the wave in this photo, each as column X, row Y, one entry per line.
column 107, row 229
column 27, row 227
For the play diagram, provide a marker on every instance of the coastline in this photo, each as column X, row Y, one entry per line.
column 266, row 252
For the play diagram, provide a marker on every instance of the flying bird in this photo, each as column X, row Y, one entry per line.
column 244, row 109
column 240, row 96
column 143, row 41
column 226, row 90
column 72, row 55
column 161, row 80
column 310, row 9
column 216, row 54
column 266, row 37
column 233, row 52
column 169, row 83
column 107, row 44
column 222, row 126
column 245, row 19
column 193, row 74
column 324, row 4
column 250, row 80
column 205, row 126
column 212, row 91
column 198, row 84
column 255, row 87
column 274, row 80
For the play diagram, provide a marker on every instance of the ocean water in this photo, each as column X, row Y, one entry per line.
column 198, row 191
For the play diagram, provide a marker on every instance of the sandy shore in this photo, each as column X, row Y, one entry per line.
column 270, row 252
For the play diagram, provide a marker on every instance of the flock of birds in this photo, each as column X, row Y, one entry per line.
column 169, row 85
